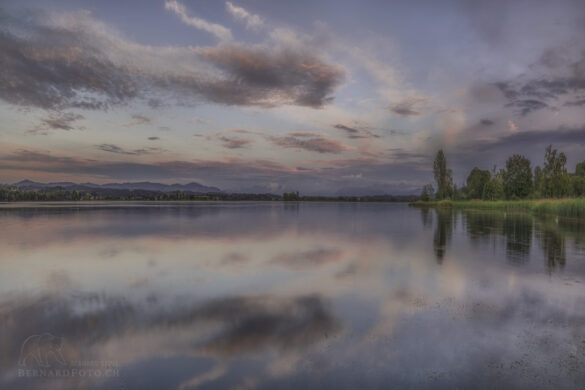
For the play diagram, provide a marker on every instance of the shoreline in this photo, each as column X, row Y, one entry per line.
column 565, row 207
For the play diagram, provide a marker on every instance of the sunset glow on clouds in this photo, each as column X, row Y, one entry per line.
column 319, row 97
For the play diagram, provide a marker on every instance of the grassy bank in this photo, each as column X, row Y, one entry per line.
column 571, row 208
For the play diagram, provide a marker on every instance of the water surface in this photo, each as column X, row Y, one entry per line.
column 288, row 296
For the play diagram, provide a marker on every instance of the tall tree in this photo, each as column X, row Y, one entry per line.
column 476, row 182
column 580, row 169
column 578, row 185
column 517, row 178
column 427, row 193
column 538, row 181
column 556, row 181
column 579, row 180
column 442, row 176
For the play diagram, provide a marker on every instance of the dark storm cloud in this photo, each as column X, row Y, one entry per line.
column 542, row 89
column 535, row 94
column 526, row 106
column 407, row 107
column 320, row 145
column 575, row 103
column 515, row 94
column 57, row 67
column 507, row 90
column 111, row 148
column 355, row 132
column 526, row 139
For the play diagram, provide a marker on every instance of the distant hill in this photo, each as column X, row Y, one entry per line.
column 195, row 188
column 27, row 190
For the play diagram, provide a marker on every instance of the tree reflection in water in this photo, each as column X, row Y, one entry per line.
column 443, row 231
column 552, row 242
column 517, row 229
column 426, row 216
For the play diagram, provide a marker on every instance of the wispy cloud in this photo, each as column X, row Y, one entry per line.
column 232, row 139
column 58, row 121
column 75, row 61
column 305, row 134
column 235, row 142
column 252, row 21
column 408, row 107
column 356, row 132
column 180, row 10
column 138, row 120
column 320, row 145
column 111, row 148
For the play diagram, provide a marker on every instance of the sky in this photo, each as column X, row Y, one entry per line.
column 320, row 97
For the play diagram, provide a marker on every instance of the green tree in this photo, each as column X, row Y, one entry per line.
column 538, row 181
column 456, row 194
column 517, row 178
column 578, row 183
column 580, row 169
column 556, row 181
column 427, row 193
column 291, row 196
column 493, row 190
column 476, row 182
column 442, row 176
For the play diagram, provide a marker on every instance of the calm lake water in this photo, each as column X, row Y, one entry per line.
column 288, row 296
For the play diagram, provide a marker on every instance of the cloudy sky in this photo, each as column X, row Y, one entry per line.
column 323, row 97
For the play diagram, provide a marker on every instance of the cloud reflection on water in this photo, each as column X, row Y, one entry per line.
column 315, row 295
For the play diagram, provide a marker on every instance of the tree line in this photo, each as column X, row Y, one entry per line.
column 14, row 194
column 518, row 180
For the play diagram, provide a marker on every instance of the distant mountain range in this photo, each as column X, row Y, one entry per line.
column 195, row 188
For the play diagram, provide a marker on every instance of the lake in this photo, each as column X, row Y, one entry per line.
column 288, row 296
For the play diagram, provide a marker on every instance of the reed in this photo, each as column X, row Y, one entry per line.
column 570, row 207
